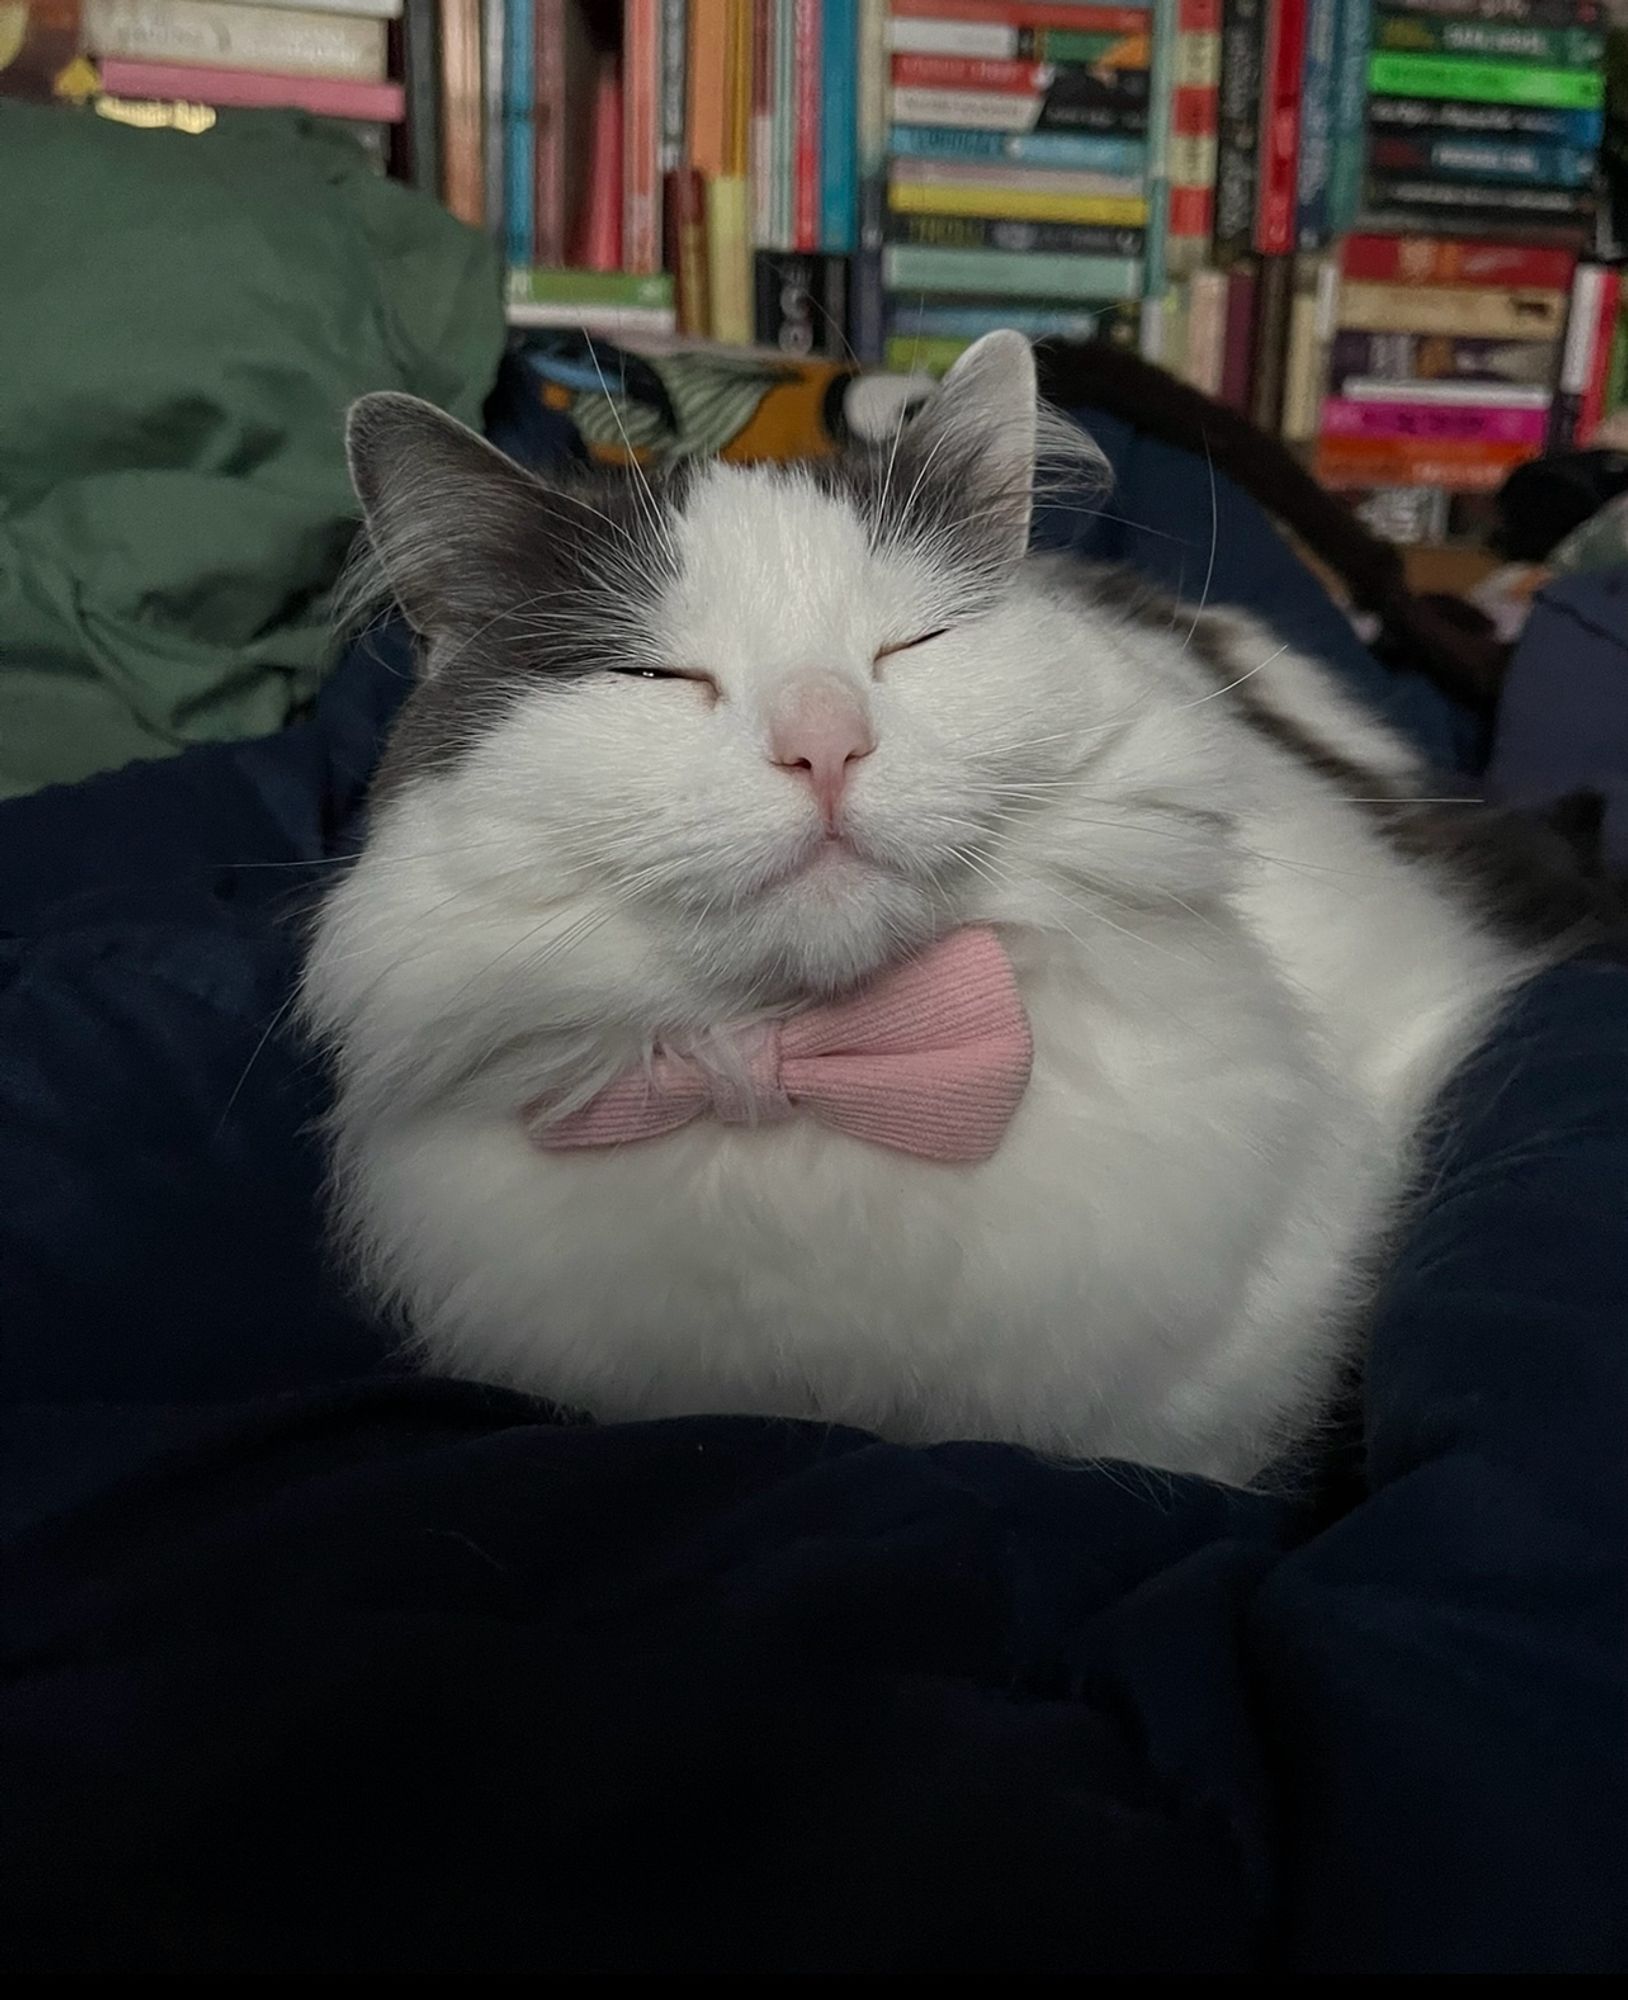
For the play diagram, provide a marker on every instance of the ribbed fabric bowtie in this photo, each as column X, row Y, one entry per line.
column 931, row 1059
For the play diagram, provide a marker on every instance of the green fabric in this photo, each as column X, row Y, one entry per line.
column 183, row 320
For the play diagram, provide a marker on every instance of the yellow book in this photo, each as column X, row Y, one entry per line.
column 729, row 259
column 1007, row 204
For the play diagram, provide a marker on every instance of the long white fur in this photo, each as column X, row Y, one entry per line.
column 1243, row 1003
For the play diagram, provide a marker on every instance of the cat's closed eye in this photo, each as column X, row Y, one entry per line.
column 907, row 645
column 667, row 674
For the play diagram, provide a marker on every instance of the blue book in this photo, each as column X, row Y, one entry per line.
column 924, row 322
column 839, row 125
column 1352, row 31
column 1318, row 75
column 1085, row 152
column 519, row 131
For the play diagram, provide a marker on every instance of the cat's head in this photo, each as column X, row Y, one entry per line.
column 782, row 712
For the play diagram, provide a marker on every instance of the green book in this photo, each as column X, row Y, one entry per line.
column 912, row 354
column 1463, row 79
column 1499, row 41
column 1070, row 45
column 1010, row 274
column 544, row 287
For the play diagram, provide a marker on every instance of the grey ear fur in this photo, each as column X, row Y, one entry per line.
column 443, row 508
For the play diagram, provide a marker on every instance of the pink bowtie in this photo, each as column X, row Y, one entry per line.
column 931, row 1059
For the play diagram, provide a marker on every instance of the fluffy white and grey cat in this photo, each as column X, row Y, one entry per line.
column 689, row 757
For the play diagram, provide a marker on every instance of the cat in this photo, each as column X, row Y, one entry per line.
column 695, row 760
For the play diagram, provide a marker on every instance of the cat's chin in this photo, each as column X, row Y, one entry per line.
column 837, row 920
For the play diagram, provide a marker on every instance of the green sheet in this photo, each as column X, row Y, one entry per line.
column 183, row 319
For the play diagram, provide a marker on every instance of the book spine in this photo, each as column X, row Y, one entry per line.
column 998, row 273
column 1577, row 354
column 1508, row 41
column 1513, row 121
column 1004, row 204
column 1311, row 332
column 1088, row 151
column 953, row 38
column 765, row 220
column 694, row 281
column 1010, row 174
column 641, row 136
column 1434, row 423
column 1411, row 357
column 1597, row 388
column 1058, row 239
column 599, row 239
column 972, row 322
column 422, row 63
column 1281, row 68
column 519, row 135
column 1206, row 330
column 464, row 180
column 232, row 89
column 1194, row 122
column 1443, row 261
column 839, row 126
column 1161, row 100
column 970, row 73
column 566, row 287
column 706, row 112
column 1509, row 203
column 868, row 304
column 1353, row 21
column 729, row 260
column 1238, row 353
column 1461, row 77
column 1353, row 463
column 1554, row 13
column 1511, row 313
column 548, row 190
column 1027, row 14
column 674, row 82
column 785, row 122
column 1481, row 159
column 806, row 190
column 287, row 42
column 1274, row 301
column 1316, row 125
column 1242, row 43
column 1001, row 111
column 917, row 354
column 493, row 50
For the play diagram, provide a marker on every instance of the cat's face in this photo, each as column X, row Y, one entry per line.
column 784, row 712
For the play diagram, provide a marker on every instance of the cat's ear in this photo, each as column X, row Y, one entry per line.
column 450, row 520
column 986, row 432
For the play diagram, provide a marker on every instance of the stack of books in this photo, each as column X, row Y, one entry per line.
column 1474, row 321
column 183, row 62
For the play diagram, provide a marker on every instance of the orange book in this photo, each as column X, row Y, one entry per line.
column 709, row 86
column 1465, row 466
column 599, row 227
column 463, row 154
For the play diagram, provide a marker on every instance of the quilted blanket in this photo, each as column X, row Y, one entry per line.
column 314, row 1666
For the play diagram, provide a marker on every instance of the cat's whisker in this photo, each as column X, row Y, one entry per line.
column 1209, row 572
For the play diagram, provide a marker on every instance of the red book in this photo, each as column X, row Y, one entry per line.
column 326, row 96
column 641, row 136
column 1192, row 211
column 1592, row 407
column 1023, row 14
column 1195, row 111
column 1283, row 59
column 1199, row 17
column 1432, row 260
column 806, row 141
column 1022, row 79
column 599, row 231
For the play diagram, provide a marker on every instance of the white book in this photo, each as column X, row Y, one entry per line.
column 611, row 321
column 1488, row 395
column 286, row 41
column 375, row 10
column 973, row 110
column 952, row 38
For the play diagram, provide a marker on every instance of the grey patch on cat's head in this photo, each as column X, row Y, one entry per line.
column 508, row 580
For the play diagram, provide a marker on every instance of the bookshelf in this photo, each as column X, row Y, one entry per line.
column 1390, row 234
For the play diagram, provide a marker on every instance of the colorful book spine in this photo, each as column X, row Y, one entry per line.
column 1459, row 158
column 1205, row 358
column 1502, row 41
column 1350, row 464
column 641, row 135
column 543, row 286
column 918, row 354
column 839, row 125
column 1027, row 14
column 1430, row 260
column 1311, row 331
column 674, row 59
column 868, row 301
column 519, row 132
column 765, row 220
column 1435, row 423
column 967, row 322
column 806, row 155
column 1195, row 105
column 1052, row 239
column 1431, row 357
column 493, row 45
column 325, row 97
column 1317, row 86
column 1015, row 204
column 1353, row 23
column 999, row 274
column 1161, row 95
column 1509, row 204
column 1507, row 312
column 287, row 41
column 1281, row 73
column 1243, row 26
column 785, row 123
column 1585, row 356
column 1514, row 121
column 1090, row 152
column 463, row 176
column 1238, row 355
column 1461, row 77
column 1551, row 13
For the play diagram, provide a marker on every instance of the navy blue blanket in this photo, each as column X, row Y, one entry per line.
column 311, row 1665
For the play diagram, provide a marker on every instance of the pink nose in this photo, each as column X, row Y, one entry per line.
column 818, row 729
